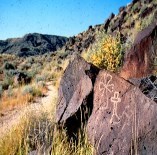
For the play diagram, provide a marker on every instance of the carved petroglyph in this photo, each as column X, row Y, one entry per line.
column 106, row 88
column 115, row 99
column 105, row 84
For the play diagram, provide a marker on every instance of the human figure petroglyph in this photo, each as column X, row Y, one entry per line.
column 115, row 99
column 106, row 87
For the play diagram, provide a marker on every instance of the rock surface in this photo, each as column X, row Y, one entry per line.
column 148, row 86
column 123, row 120
column 140, row 59
column 76, row 94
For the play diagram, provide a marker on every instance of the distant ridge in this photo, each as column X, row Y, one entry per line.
column 32, row 44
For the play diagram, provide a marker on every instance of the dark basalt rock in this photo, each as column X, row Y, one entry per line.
column 107, row 22
column 146, row 12
column 75, row 100
column 71, row 41
column 111, row 16
column 138, row 62
column 134, row 1
column 121, row 9
column 123, row 120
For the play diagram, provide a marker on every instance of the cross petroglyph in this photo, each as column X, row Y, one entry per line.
column 106, row 87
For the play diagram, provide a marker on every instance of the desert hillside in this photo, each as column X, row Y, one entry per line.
column 94, row 93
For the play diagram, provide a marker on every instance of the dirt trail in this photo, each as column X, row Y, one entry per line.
column 43, row 104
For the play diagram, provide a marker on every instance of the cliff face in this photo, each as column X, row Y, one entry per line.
column 32, row 44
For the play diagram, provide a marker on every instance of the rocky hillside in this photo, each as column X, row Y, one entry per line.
column 32, row 44
column 129, row 21
column 118, row 109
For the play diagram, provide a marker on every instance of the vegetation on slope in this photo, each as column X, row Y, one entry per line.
column 103, row 50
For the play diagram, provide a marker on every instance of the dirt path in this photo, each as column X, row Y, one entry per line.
column 44, row 104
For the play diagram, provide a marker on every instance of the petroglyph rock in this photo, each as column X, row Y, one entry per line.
column 123, row 119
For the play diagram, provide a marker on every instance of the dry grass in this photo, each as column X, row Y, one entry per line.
column 36, row 133
column 61, row 145
column 8, row 103
column 15, row 98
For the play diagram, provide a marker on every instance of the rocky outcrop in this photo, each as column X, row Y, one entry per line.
column 123, row 120
column 140, row 59
column 75, row 100
column 32, row 44
column 148, row 86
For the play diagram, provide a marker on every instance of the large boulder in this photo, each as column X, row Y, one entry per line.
column 123, row 120
column 141, row 57
column 75, row 100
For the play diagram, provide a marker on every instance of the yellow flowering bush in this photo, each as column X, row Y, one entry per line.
column 108, row 54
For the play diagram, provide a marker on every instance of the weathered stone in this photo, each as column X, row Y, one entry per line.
column 146, row 11
column 90, row 27
column 123, row 120
column 134, row 1
column 149, row 87
column 71, row 40
column 121, row 9
column 75, row 100
column 147, row 1
column 138, row 62
column 124, row 13
column 116, row 25
column 106, row 24
column 111, row 16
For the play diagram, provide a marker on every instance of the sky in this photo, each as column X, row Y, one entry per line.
column 55, row 17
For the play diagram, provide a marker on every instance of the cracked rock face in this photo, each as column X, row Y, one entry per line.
column 139, row 62
column 123, row 120
column 75, row 100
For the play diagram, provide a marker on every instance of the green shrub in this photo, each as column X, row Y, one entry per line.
column 6, row 83
column 8, row 66
column 147, row 21
column 1, row 90
column 29, row 89
column 40, row 78
column 135, row 7
column 10, row 91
